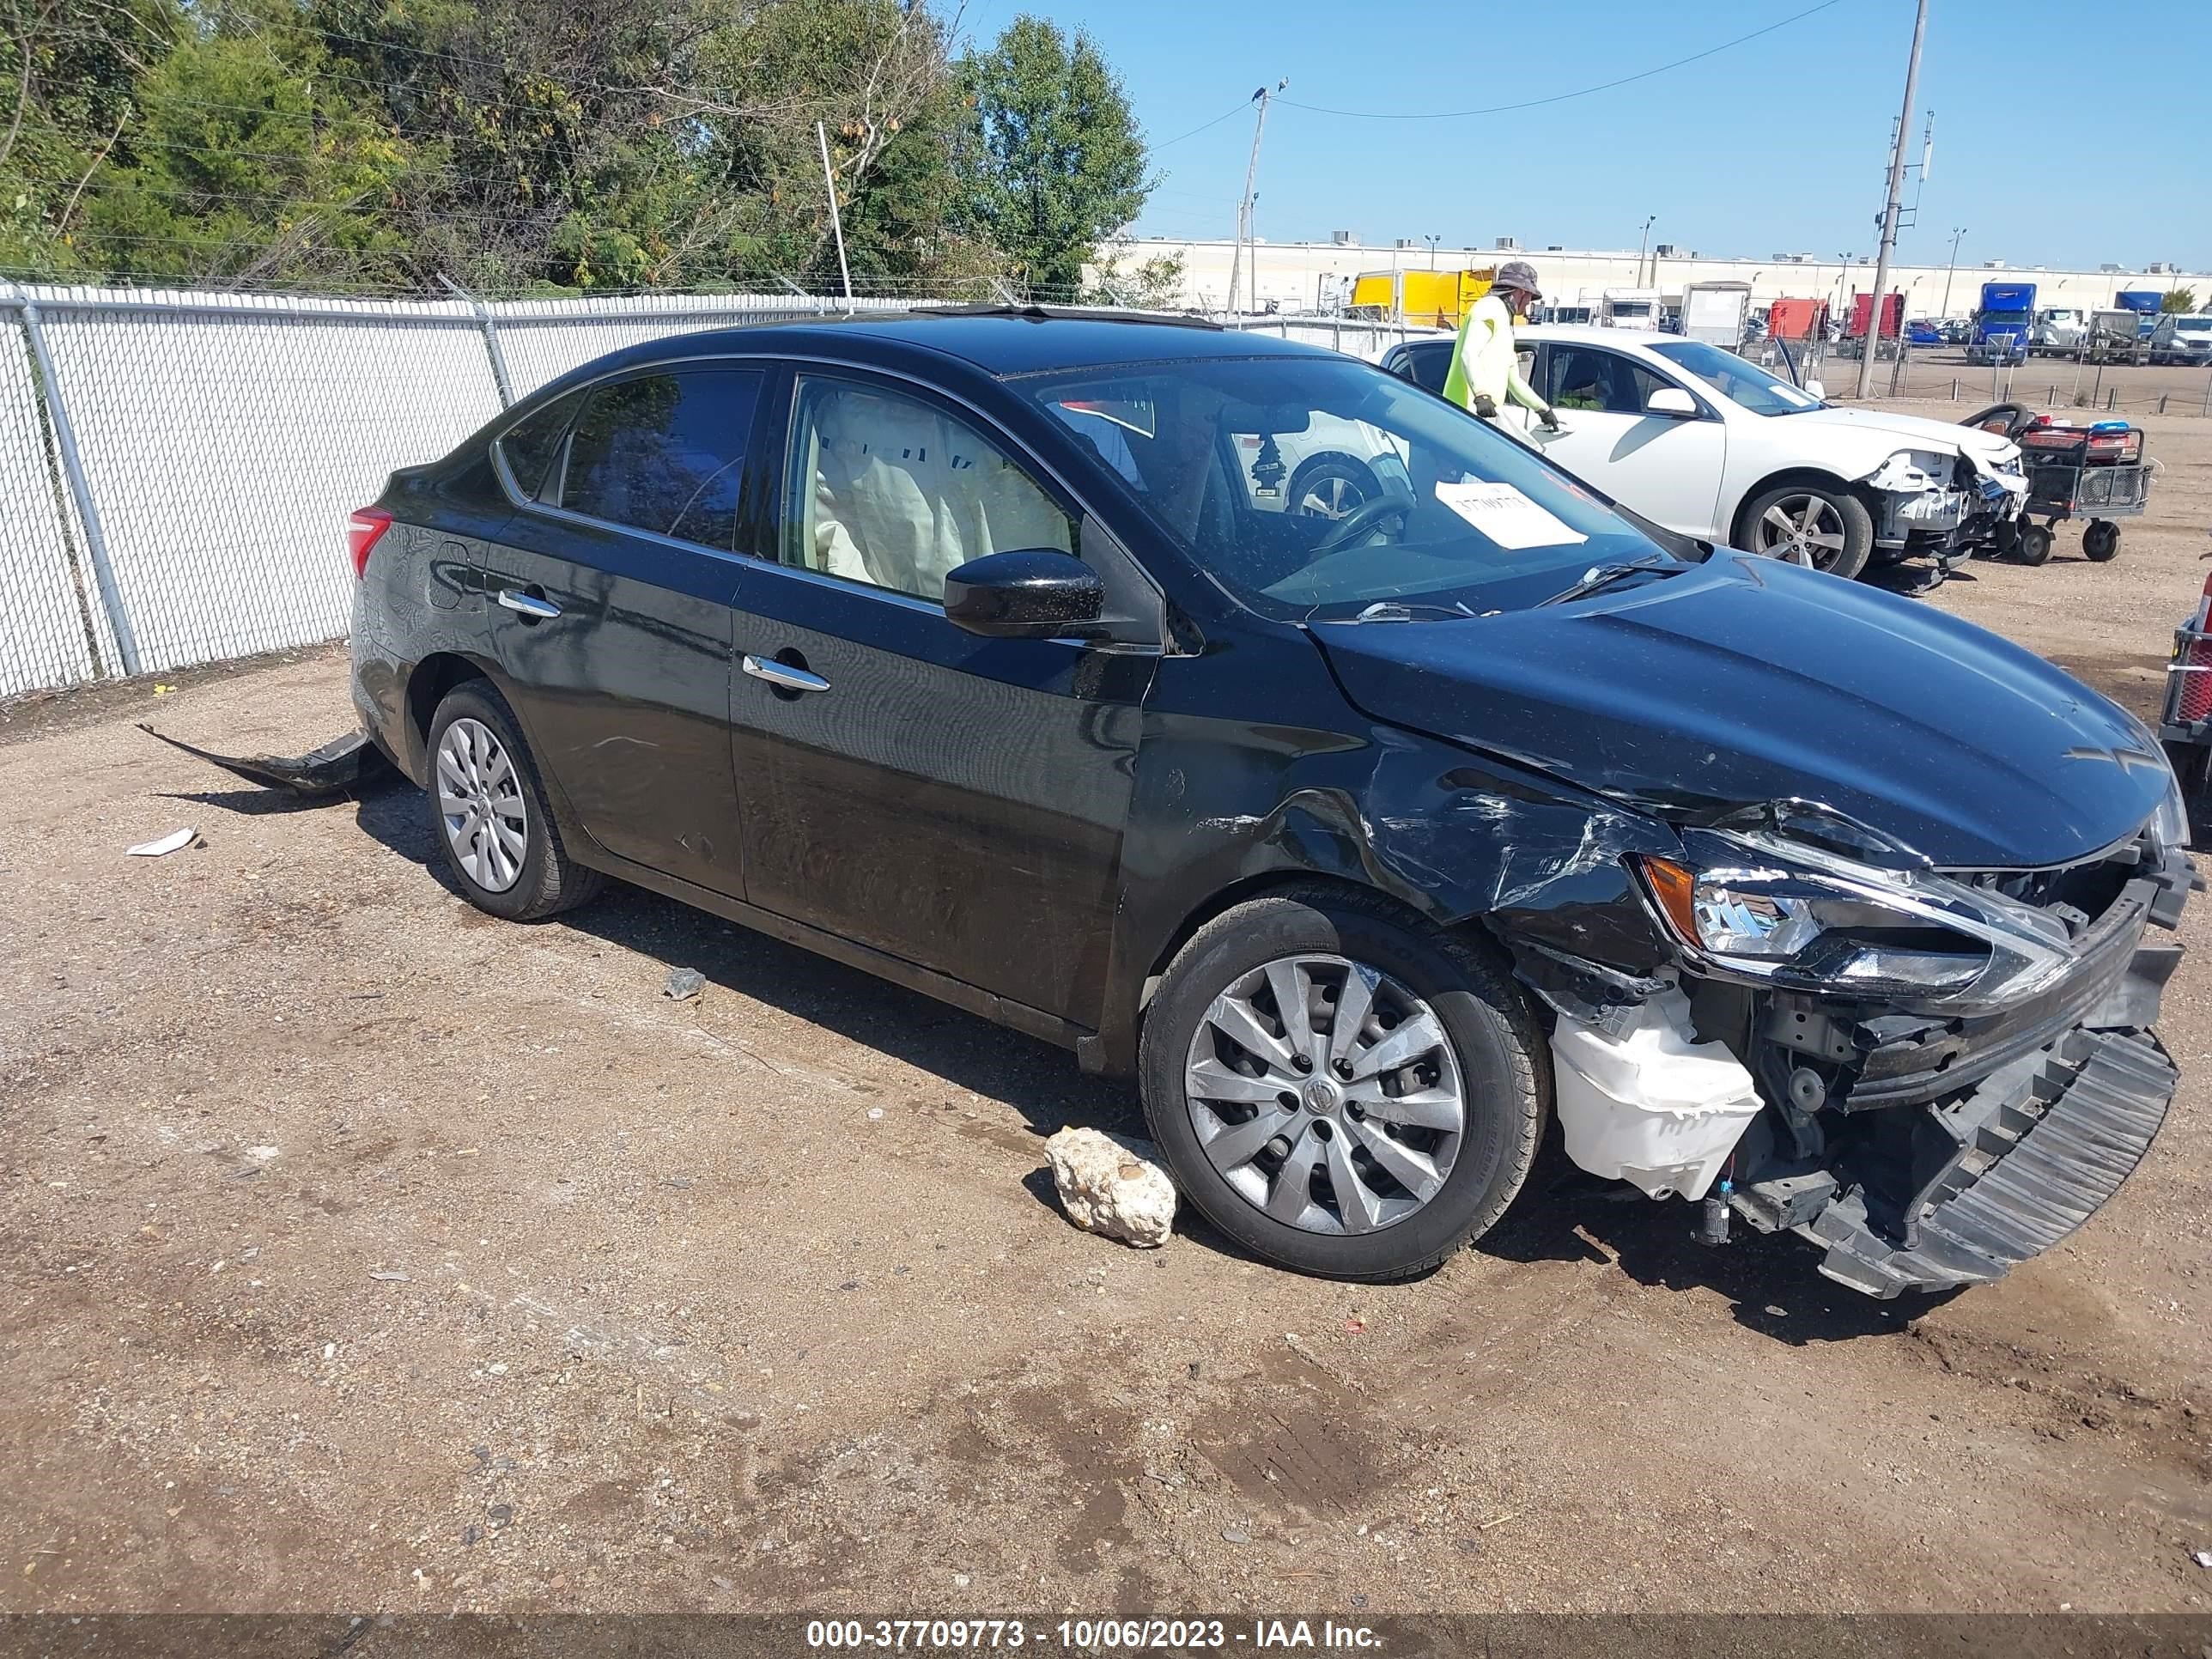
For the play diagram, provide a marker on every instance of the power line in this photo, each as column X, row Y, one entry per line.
column 1237, row 108
column 1561, row 98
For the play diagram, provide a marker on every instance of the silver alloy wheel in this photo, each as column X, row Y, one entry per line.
column 480, row 800
column 1326, row 1094
column 1806, row 528
column 1331, row 495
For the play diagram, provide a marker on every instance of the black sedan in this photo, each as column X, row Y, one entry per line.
column 991, row 652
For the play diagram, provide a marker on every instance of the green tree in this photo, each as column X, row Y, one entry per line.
column 1058, row 163
column 2179, row 299
column 1153, row 284
column 241, row 162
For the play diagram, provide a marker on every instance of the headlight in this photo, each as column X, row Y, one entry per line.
column 1762, row 907
column 1782, row 924
column 2169, row 825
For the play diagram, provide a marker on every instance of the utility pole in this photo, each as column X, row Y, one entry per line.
column 1950, row 270
column 1641, row 245
column 1262, row 97
column 1893, row 203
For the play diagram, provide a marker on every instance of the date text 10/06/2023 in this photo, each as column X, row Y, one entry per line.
column 1088, row 1635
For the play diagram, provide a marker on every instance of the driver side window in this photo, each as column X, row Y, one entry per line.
column 886, row 490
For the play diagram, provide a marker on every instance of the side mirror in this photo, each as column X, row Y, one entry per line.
column 1672, row 400
column 1815, row 389
column 1036, row 593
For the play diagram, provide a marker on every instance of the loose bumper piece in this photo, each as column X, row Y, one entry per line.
column 341, row 764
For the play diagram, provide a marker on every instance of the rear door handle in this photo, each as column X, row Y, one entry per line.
column 534, row 606
column 782, row 675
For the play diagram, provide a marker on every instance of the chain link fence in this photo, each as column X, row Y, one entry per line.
column 176, row 467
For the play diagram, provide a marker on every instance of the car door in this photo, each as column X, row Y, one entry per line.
column 611, row 592
column 956, row 801
column 1667, row 467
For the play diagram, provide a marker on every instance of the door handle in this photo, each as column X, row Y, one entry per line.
column 782, row 675
column 532, row 607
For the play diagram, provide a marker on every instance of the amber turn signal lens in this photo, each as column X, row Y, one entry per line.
column 1675, row 888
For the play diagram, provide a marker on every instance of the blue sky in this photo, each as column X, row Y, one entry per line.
column 1775, row 145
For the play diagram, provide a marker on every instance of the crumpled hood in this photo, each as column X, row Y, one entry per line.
column 1913, row 431
column 1748, row 680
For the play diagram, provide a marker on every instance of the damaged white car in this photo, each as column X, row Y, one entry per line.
column 1698, row 440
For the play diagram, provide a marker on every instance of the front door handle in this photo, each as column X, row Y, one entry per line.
column 535, row 607
column 782, row 675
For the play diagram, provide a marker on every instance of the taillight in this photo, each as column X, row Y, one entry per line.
column 2194, row 703
column 363, row 531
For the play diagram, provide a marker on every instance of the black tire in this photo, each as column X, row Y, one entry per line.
column 1849, row 511
column 548, row 881
column 2004, row 540
column 2034, row 543
column 1503, row 1060
column 2101, row 541
column 1336, row 486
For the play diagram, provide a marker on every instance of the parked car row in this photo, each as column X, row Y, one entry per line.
column 1364, row 782
column 1717, row 448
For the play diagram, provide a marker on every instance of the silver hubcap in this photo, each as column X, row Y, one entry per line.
column 1333, row 496
column 480, row 799
column 1326, row 1094
column 1805, row 528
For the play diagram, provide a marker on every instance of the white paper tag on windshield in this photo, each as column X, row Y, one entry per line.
column 1506, row 516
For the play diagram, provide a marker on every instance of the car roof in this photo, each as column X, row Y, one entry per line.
column 1580, row 335
column 999, row 340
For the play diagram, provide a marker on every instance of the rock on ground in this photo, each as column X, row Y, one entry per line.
column 1108, row 1184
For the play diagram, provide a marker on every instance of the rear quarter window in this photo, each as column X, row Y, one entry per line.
column 529, row 446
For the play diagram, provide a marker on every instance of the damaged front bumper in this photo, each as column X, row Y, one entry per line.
column 1920, row 1147
column 1919, row 510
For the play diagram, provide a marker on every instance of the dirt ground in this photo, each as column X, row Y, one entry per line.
column 361, row 1251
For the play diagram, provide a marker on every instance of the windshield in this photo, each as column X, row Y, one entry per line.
column 2193, row 326
column 1738, row 381
column 1316, row 488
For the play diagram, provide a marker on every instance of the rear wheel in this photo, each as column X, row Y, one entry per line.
column 1824, row 526
column 487, row 807
column 2100, row 541
column 1337, row 1089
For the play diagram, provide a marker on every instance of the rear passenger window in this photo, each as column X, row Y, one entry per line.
column 665, row 452
column 528, row 446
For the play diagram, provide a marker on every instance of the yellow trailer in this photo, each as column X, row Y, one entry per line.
column 1435, row 299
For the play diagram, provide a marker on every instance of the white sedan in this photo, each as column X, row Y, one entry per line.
column 1700, row 440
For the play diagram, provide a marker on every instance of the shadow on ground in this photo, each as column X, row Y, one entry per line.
column 1562, row 1214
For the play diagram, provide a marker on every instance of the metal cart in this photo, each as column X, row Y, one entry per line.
column 2094, row 472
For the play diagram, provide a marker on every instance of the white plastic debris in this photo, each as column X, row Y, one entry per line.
column 2205, row 1558
column 1648, row 1105
column 175, row 842
column 1108, row 1184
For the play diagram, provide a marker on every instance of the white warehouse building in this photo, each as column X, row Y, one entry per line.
column 1307, row 276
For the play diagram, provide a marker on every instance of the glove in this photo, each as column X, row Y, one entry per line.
column 1550, row 418
column 1484, row 406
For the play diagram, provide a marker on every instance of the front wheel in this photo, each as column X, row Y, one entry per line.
column 1824, row 526
column 2100, row 541
column 1337, row 1089
column 2034, row 543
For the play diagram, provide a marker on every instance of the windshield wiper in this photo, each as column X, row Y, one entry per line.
column 1400, row 610
column 1604, row 575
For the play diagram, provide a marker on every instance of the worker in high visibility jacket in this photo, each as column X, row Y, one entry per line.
column 1485, row 373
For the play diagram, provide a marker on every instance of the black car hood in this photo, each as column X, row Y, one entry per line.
column 1748, row 680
